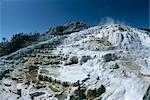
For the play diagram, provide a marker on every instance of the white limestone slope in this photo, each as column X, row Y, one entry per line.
column 132, row 46
column 118, row 56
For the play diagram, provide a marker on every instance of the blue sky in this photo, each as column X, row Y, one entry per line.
column 38, row 15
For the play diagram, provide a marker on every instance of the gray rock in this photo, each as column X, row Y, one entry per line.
column 147, row 94
column 36, row 94
column 19, row 92
column 2, row 74
column 94, row 93
column 84, row 59
column 109, row 57
column 79, row 94
column 72, row 60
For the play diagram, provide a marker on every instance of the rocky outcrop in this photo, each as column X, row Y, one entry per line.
column 67, row 28
column 72, row 60
column 91, row 94
column 109, row 57
column 79, row 94
column 82, row 92
column 84, row 59
column 36, row 94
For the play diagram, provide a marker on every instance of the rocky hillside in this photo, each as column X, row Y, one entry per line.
column 108, row 62
column 22, row 40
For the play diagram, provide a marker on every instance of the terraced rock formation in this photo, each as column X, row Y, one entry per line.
column 109, row 62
